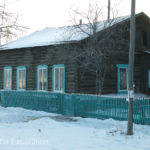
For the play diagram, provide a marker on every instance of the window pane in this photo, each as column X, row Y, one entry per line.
column 23, row 78
column 20, row 79
column 61, row 79
column 40, row 79
column 149, row 78
column 123, row 79
column 44, row 79
column 8, row 78
column 56, row 79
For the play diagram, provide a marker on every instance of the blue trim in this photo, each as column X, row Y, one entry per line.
column 118, row 78
column 122, row 65
column 148, row 78
column 53, row 67
column 17, row 83
column 39, row 67
column 53, row 75
column 4, row 80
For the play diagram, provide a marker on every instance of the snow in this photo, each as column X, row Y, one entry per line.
column 35, row 130
column 136, row 95
column 121, row 95
column 53, row 36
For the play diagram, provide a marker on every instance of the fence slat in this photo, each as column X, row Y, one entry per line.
column 78, row 105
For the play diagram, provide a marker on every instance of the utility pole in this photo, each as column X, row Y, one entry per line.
column 131, row 69
column 108, row 18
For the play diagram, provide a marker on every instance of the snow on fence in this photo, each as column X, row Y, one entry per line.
column 78, row 105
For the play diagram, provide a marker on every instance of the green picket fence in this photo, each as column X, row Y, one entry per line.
column 113, row 107
column 32, row 100
column 78, row 105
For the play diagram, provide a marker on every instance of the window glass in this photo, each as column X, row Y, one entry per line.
column 144, row 38
column 8, row 78
column 42, row 79
column 21, row 78
column 123, row 78
column 56, row 79
column 149, row 78
column 59, row 79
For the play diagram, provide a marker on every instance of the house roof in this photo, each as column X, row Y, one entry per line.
column 53, row 36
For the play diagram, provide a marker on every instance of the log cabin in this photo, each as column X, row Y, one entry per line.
column 42, row 60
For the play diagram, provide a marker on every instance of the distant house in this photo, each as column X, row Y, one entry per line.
column 40, row 62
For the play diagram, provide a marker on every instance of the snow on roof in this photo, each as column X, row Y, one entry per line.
column 53, row 36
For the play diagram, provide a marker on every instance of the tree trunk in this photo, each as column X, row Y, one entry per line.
column 100, row 77
column 99, row 83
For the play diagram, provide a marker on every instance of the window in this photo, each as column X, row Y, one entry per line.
column 7, row 78
column 21, row 78
column 149, row 78
column 59, row 78
column 145, row 38
column 42, row 78
column 122, row 78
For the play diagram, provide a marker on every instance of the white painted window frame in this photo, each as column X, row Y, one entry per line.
column 18, row 69
column 5, row 70
column 58, row 91
column 41, row 68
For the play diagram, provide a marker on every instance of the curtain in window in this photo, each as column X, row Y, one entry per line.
column 42, row 79
column 21, row 78
column 8, row 78
column 59, row 79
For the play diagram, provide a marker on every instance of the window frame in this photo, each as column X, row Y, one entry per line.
column 4, row 79
column 144, row 37
column 17, row 79
column 38, row 68
column 53, row 78
column 148, row 78
column 119, row 66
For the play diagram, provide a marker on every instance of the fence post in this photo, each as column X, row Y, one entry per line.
column 77, row 106
column 67, row 105
column 62, row 101
column 74, row 105
column 143, row 116
column 2, row 99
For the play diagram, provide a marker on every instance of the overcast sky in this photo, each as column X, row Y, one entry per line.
column 38, row 14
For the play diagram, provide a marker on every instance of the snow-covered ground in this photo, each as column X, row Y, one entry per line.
column 22, row 129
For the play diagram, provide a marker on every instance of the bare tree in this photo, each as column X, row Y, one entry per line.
column 95, row 53
column 9, row 25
